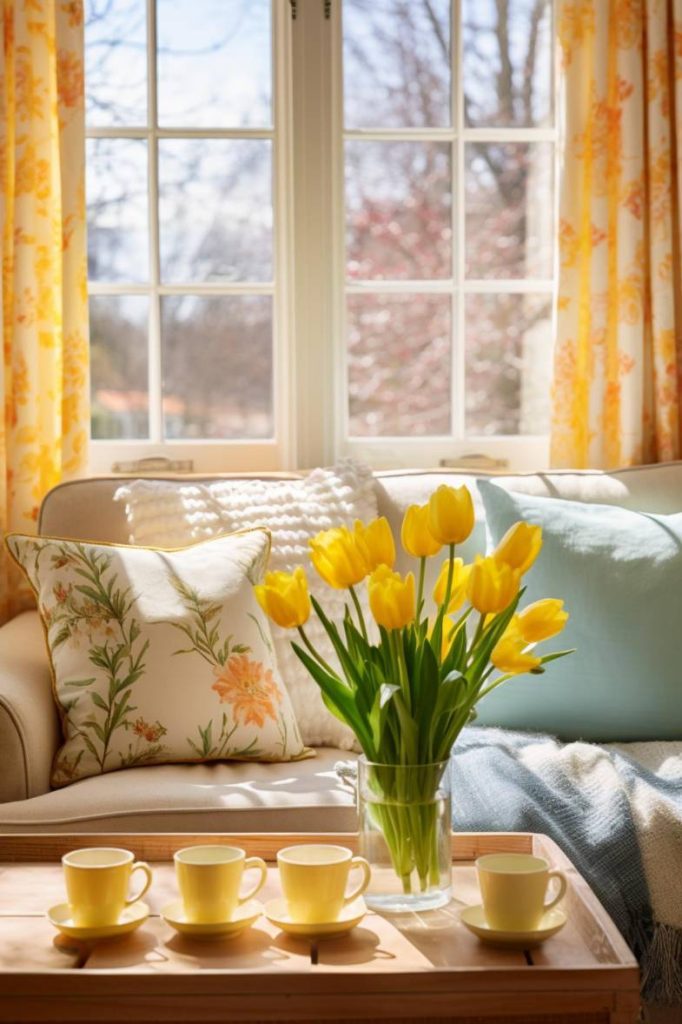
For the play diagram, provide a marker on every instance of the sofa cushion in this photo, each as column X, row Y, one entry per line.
column 176, row 513
column 159, row 656
column 221, row 797
column 645, row 488
column 620, row 574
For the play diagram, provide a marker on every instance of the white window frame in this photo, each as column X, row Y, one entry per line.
column 319, row 175
column 309, row 345
column 224, row 454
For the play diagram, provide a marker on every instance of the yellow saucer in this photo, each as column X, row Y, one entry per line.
column 552, row 921
column 243, row 917
column 131, row 918
column 277, row 913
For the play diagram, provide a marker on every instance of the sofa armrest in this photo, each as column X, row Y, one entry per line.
column 29, row 723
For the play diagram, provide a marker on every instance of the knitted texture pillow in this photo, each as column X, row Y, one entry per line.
column 159, row 656
column 173, row 513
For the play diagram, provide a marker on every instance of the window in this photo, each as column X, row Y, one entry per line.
column 182, row 200
column 397, row 155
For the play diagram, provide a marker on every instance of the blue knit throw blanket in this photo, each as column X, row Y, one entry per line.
column 581, row 795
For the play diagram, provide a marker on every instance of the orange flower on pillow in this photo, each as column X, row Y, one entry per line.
column 249, row 687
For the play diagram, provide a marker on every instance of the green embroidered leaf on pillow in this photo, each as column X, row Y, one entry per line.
column 159, row 656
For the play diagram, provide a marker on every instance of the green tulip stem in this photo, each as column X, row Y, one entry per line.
column 420, row 590
column 495, row 683
column 437, row 636
column 477, row 635
column 361, row 617
column 318, row 657
column 401, row 666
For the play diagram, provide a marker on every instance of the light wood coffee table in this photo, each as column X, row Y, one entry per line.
column 415, row 967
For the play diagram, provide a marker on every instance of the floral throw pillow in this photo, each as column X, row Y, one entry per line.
column 159, row 656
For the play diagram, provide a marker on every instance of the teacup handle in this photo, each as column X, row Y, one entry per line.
column 563, row 884
column 254, row 862
column 140, row 865
column 359, row 862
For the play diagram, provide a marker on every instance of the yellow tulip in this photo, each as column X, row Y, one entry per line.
column 520, row 546
column 284, row 598
column 458, row 592
column 451, row 514
column 338, row 557
column 415, row 533
column 491, row 587
column 542, row 620
column 391, row 598
column 509, row 654
column 376, row 541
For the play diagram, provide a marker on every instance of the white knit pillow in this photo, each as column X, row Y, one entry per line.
column 172, row 513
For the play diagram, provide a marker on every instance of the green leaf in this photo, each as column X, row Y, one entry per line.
column 90, row 723
column 80, row 682
column 491, row 634
column 546, row 658
column 339, row 696
column 98, row 701
column 94, row 595
column 350, row 670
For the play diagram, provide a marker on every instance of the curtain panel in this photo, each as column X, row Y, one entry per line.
column 44, row 373
column 617, row 397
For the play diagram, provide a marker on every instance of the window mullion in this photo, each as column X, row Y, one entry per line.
column 154, row 350
column 458, row 388
column 317, row 286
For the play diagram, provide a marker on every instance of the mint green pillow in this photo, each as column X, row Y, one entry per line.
column 620, row 574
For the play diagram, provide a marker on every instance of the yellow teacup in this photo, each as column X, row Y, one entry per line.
column 209, row 878
column 513, row 888
column 314, row 878
column 97, row 884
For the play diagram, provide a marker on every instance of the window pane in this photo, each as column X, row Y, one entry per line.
column 217, row 366
column 215, row 209
column 214, row 63
column 507, row 62
column 509, row 209
column 398, row 210
column 119, row 366
column 508, row 364
column 399, row 365
column 118, row 247
column 396, row 58
column 116, row 62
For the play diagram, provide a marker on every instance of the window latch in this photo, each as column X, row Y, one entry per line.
column 327, row 8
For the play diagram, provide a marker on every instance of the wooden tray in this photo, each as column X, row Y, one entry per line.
column 416, row 967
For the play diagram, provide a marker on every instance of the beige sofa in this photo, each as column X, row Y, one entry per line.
column 305, row 796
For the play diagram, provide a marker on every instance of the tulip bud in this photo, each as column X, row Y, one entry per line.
column 338, row 557
column 542, row 620
column 451, row 514
column 519, row 547
column 491, row 587
column 458, row 590
column 509, row 655
column 376, row 541
column 284, row 598
column 391, row 598
column 415, row 534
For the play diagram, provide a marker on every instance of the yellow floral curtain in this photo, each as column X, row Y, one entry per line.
column 44, row 376
column 618, row 364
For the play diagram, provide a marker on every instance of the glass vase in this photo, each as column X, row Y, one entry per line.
column 405, row 833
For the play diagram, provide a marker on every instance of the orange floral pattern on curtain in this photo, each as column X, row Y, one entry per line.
column 617, row 396
column 44, row 373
